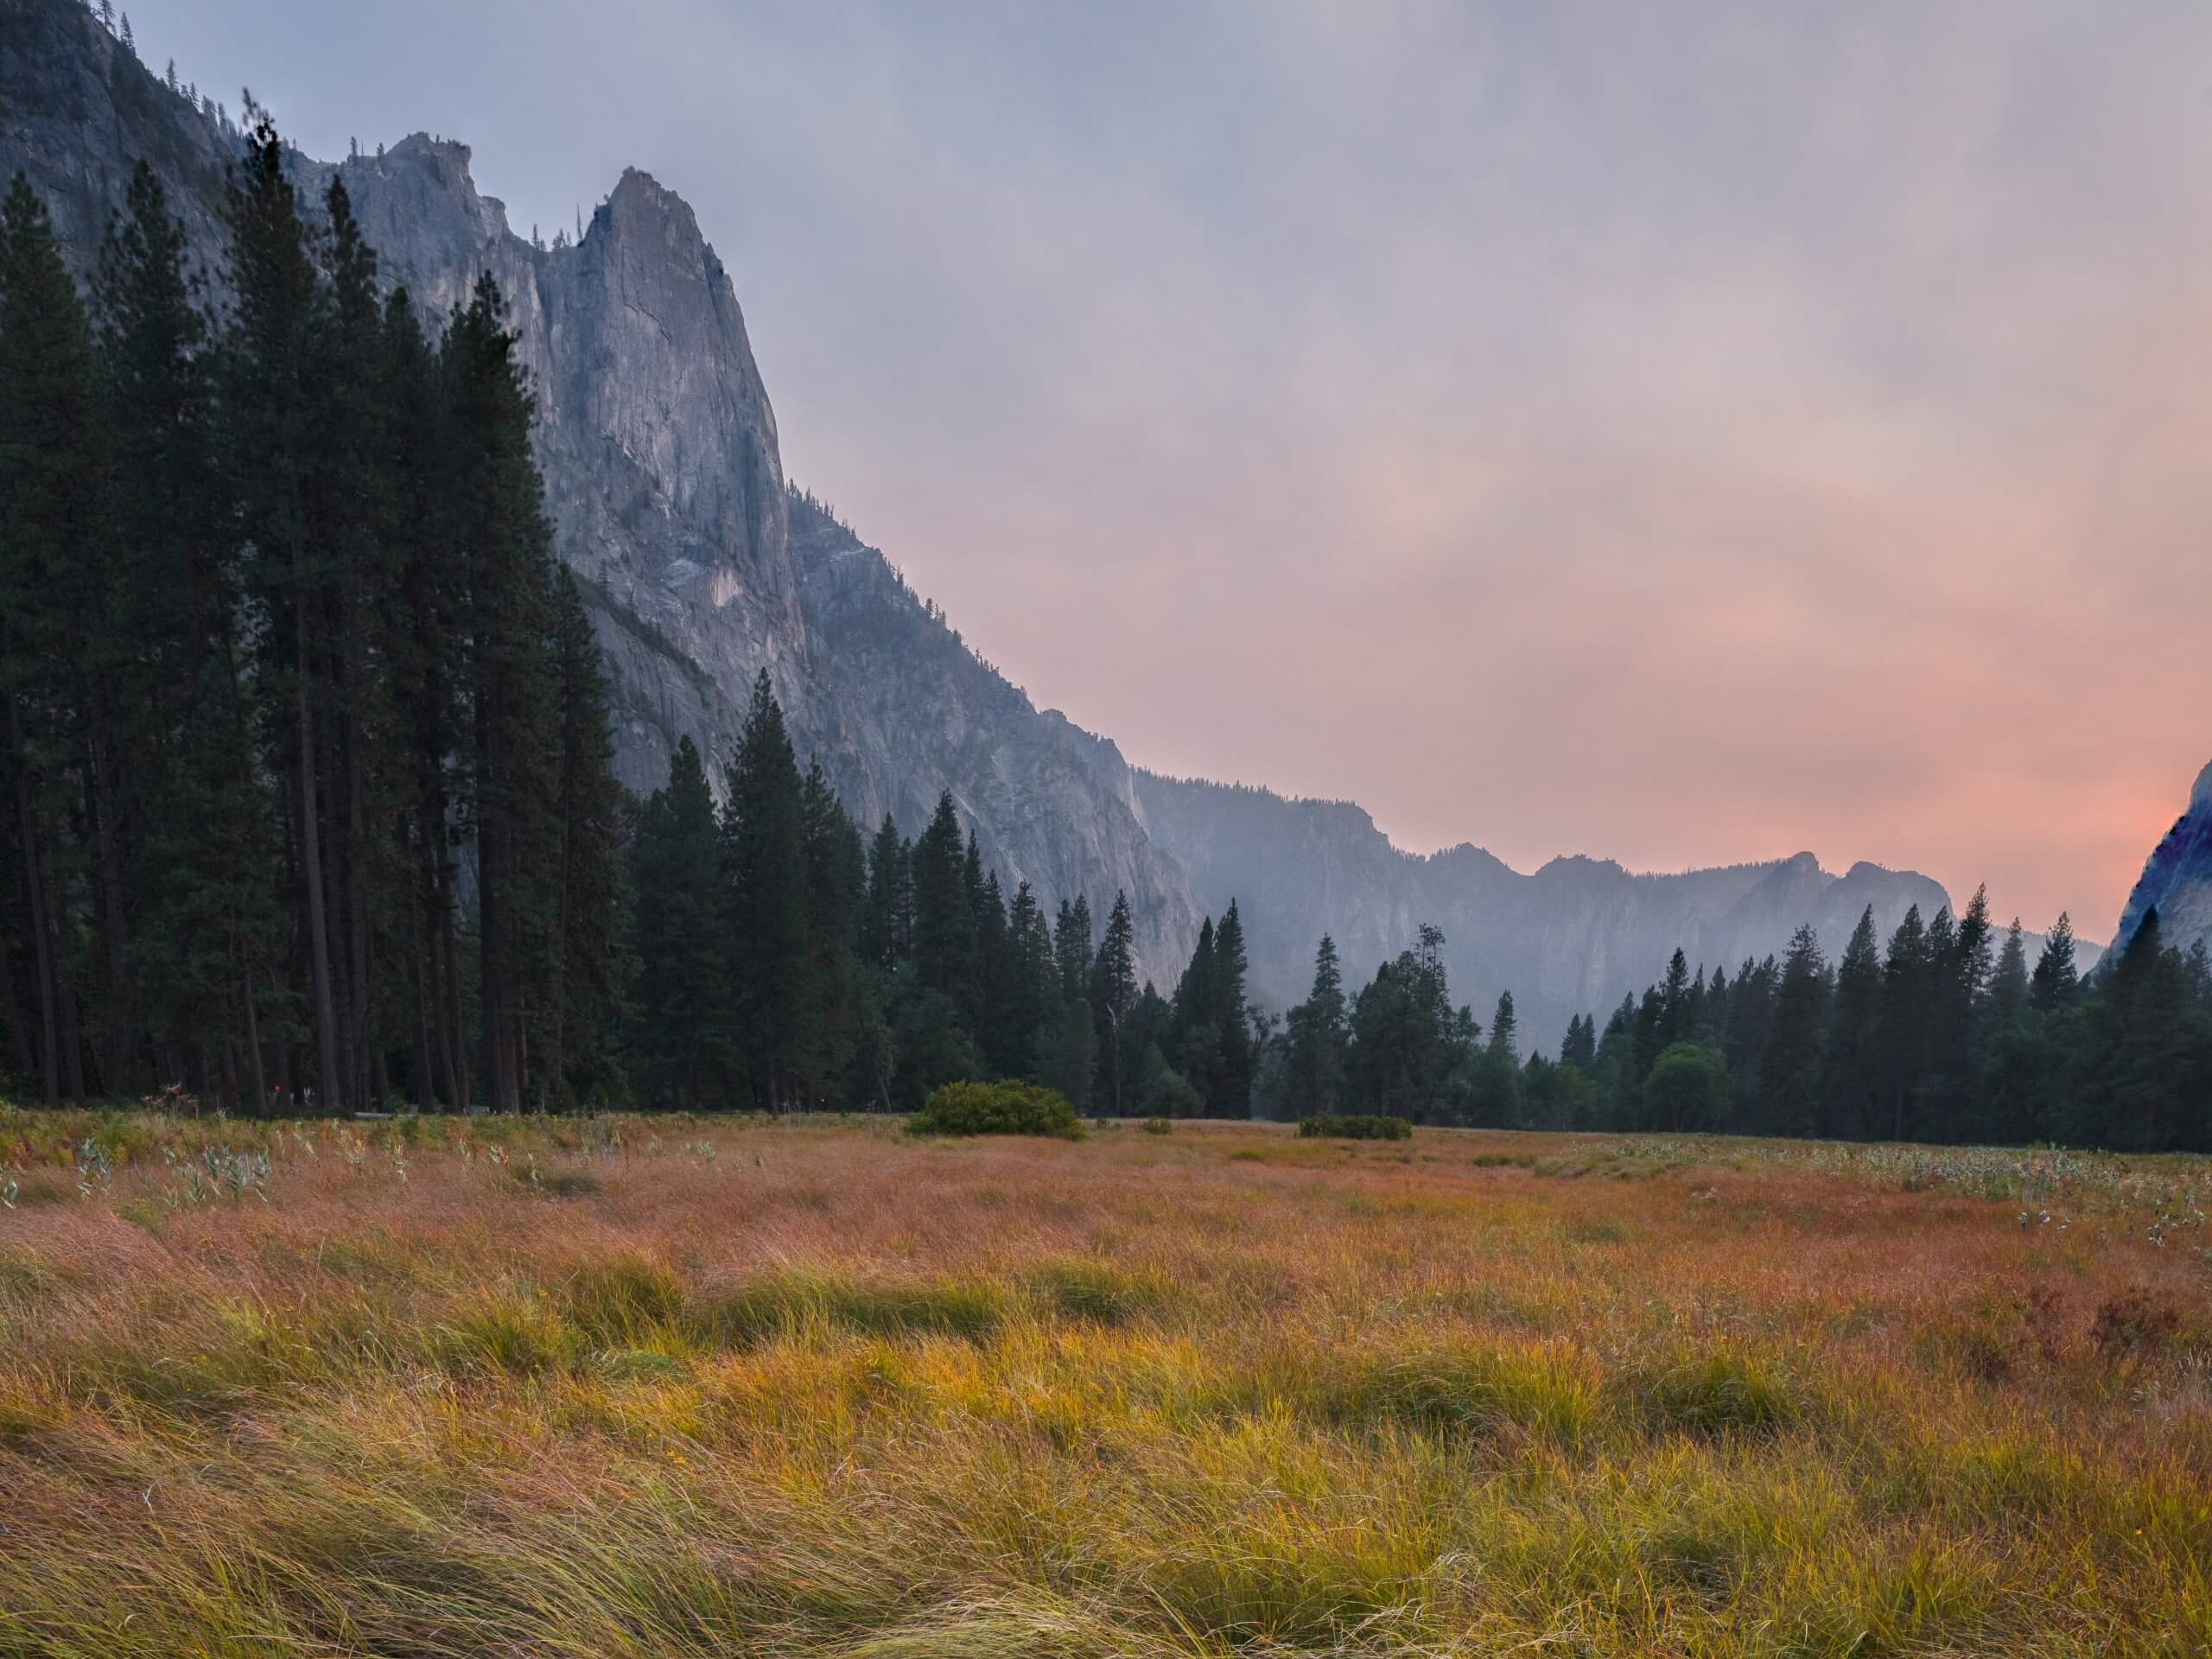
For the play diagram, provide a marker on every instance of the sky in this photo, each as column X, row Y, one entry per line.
column 1684, row 434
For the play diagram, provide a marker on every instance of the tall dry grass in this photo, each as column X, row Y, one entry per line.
column 651, row 1387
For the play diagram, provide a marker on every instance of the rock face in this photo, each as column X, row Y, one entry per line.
column 2177, row 877
column 662, row 470
column 659, row 449
column 1574, row 938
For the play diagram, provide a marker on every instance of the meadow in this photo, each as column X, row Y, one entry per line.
column 624, row 1387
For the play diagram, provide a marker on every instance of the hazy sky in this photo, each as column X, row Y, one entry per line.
column 1684, row 433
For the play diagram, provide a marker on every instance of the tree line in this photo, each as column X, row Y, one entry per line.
column 1945, row 1033
column 307, row 800
column 785, row 961
column 307, row 761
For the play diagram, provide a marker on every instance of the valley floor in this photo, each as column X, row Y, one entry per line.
column 647, row 1386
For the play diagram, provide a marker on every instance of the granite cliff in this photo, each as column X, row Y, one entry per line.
column 2177, row 877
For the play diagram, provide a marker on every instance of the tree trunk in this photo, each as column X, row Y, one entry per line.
column 326, row 1036
column 41, row 939
column 253, row 1041
column 456, row 1043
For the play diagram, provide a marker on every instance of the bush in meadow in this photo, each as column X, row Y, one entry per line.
column 996, row 1108
column 1355, row 1125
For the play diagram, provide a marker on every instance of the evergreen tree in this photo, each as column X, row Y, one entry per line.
column 1789, row 1066
column 1498, row 1079
column 679, row 1025
column 197, row 833
column 587, row 877
column 51, row 585
column 2008, row 982
column 1230, row 1094
column 1071, row 946
column 1317, row 1033
column 1673, row 1025
column 888, row 919
column 843, row 1055
column 2055, row 978
column 496, row 522
column 1578, row 1048
column 1856, row 1066
column 945, row 915
column 272, row 357
column 1195, row 1037
column 766, row 904
column 1907, row 985
column 1114, row 999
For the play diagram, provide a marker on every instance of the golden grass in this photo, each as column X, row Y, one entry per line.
column 657, row 1386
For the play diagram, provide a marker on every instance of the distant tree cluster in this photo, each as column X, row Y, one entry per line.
column 306, row 760
column 1947, row 1034
column 784, row 963
column 1400, row 1048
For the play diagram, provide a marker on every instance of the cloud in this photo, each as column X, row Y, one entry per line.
column 1685, row 434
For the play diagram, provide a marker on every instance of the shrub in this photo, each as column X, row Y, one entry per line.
column 1158, row 1126
column 1356, row 1126
column 996, row 1108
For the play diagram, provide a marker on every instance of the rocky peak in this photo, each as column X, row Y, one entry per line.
column 2177, row 877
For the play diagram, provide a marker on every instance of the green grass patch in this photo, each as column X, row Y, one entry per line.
column 996, row 1108
column 797, row 1301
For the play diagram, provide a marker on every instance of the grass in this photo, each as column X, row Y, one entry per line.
column 816, row 1389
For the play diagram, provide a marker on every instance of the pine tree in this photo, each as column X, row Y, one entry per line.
column 945, row 915
column 1674, row 1003
column 1580, row 1047
column 1071, row 947
column 678, row 1027
column 2008, row 982
column 1906, row 1019
column 203, row 837
column 1194, row 1042
column 589, row 808
column 1855, row 1067
column 270, row 399
column 2055, row 978
column 843, row 1053
column 1231, row 1094
column 1317, row 1034
column 496, row 522
column 1789, row 1066
column 1498, row 1098
column 1114, row 995
column 888, row 918
column 50, row 485
column 765, row 920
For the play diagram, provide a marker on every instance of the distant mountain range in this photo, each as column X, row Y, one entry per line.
column 659, row 451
